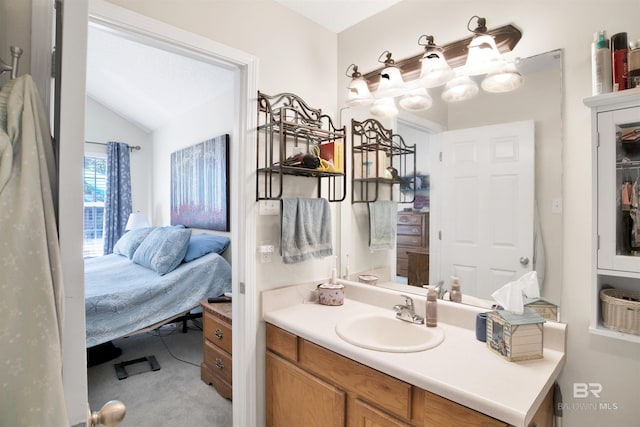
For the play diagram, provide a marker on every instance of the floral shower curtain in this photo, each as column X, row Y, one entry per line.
column 117, row 203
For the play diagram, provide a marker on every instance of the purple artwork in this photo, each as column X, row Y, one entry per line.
column 200, row 185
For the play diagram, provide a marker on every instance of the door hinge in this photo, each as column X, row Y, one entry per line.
column 242, row 287
column 53, row 63
column 598, row 242
column 440, row 155
column 439, row 234
column 598, row 140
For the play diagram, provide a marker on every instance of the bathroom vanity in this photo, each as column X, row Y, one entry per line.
column 315, row 377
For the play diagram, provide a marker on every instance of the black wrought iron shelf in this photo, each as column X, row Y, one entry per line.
column 377, row 153
column 288, row 126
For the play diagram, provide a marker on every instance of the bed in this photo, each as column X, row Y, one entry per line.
column 153, row 276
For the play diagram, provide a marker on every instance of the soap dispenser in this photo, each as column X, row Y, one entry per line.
column 455, row 295
column 431, row 318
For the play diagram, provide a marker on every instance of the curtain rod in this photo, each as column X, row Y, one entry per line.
column 131, row 148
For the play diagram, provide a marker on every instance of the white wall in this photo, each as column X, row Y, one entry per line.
column 103, row 125
column 546, row 25
column 201, row 123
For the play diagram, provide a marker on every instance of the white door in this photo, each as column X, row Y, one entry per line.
column 487, row 205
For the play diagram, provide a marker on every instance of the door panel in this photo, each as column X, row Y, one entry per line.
column 488, row 205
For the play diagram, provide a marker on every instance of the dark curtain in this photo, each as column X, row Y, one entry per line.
column 117, row 204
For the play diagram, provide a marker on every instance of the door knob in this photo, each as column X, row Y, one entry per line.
column 524, row 260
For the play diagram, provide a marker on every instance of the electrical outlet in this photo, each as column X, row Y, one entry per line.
column 556, row 205
column 269, row 207
column 265, row 252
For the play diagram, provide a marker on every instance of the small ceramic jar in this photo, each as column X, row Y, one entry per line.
column 368, row 279
column 331, row 294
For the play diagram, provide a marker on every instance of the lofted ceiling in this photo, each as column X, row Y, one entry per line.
column 150, row 87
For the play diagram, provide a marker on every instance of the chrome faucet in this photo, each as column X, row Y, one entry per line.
column 440, row 289
column 407, row 311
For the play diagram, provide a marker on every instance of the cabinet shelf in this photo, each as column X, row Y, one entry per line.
column 616, row 262
column 288, row 127
column 380, row 159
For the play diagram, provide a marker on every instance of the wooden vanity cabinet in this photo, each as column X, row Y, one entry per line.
column 310, row 385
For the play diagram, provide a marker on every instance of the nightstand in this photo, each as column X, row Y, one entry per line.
column 216, row 366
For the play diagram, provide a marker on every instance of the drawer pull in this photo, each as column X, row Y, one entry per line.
column 219, row 363
column 219, row 334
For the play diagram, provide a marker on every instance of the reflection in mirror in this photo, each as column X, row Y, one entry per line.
column 539, row 100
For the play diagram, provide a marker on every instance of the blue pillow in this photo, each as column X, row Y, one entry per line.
column 129, row 242
column 202, row 244
column 163, row 249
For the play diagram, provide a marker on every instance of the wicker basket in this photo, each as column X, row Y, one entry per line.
column 621, row 310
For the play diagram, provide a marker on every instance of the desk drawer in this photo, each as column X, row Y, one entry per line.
column 409, row 219
column 218, row 361
column 409, row 240
column 217, row 331
column 409, row 230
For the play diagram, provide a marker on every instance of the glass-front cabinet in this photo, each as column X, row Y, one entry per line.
column 619, row 189
column 615, row 293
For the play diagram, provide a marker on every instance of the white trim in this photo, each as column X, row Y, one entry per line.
column 42, row 41
column 245, row 306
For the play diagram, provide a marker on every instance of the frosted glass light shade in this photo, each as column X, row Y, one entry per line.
column 384, row 107
column 416, row 100
column 483, row 56
column 435, row 70
column 505, row 79
column 358, row 92
column 391, row 83
column 460, row 88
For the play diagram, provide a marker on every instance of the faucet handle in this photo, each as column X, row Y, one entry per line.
column 408, row 301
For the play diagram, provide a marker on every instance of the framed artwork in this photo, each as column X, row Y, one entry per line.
column 200, row 185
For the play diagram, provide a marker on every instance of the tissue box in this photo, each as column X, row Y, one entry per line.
column 515, row 336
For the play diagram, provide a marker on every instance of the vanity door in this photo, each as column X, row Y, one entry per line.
column 618, row 197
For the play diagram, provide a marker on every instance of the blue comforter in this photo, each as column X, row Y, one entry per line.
column 122, row 297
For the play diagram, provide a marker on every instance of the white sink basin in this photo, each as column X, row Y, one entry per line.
column 383, row 332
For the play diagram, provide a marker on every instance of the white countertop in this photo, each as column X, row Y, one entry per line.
column 461, row 369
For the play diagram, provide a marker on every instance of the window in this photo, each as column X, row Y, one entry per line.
column 95, row 185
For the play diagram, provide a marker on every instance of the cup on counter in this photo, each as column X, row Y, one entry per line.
column 481, row 327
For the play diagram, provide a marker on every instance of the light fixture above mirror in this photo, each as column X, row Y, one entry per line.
column 460, row 66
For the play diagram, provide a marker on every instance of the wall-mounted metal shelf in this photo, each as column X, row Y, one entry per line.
column 287, row 126
column 380, row 159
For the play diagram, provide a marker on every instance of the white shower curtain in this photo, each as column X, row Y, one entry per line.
column 31, row 390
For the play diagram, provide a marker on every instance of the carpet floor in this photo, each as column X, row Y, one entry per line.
column 172, row 396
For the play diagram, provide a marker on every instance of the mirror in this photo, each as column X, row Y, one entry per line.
column 540, row 100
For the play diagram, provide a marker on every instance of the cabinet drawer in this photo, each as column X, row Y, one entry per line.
column 439, row 411
column 217, row 331
column 282, row 342
column 409, row 230
column 409, row 240
column 390, row 394
column 409, row 219
column 218, row 361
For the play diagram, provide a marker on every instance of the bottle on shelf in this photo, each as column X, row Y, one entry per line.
column 619, row 66
column 601, row 73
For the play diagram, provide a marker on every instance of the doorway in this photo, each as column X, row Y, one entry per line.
column 73, row 96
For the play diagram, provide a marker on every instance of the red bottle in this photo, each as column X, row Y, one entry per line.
column 619, row 49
